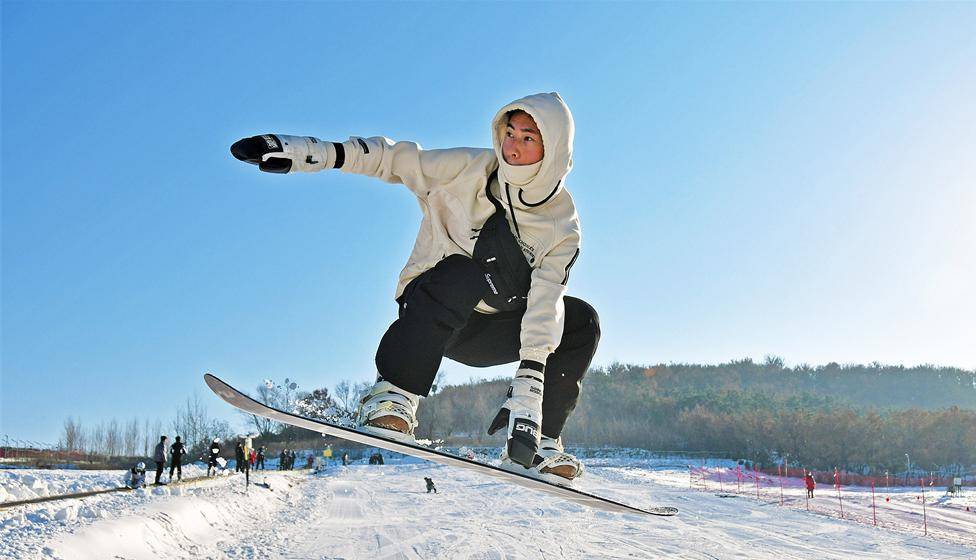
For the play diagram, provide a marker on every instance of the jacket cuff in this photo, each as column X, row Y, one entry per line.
column 534, row 354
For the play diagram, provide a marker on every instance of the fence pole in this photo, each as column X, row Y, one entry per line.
column 887, row 487
column 779, row 471
column 837, row 485
column 721, row 485
column 874, row 510
column 755, row 471
column 738, row 479
column 691, row 479
column 925, row 521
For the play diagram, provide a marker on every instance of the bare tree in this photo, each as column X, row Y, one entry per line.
column 113, row 438
column 344, row 397
column 267, row 393
column 96, row 439
column 192, row 422
column 131, row 441
column 281, row 396
column 72, row 439
column 146, row 442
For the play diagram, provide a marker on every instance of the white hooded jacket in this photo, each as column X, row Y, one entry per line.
column 450, row 187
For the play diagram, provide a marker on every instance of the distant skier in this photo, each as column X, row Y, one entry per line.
column 240, row 458
column 212, row 463
column 345, row 459
column 136, row 477
column 253, row 457
column 810, row 484
column 260, row 458
column 159, row 455
column 430, row 485
column 283, row 460
column 486, row 281
column 176, row 452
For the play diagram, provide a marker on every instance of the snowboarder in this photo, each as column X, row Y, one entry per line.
column 159, row 455
column 811, row 484
column 136, row 477
column 240, row 458
column 212, row 462
column 260, row 458
column 176, row 452
column 345, row 459
column 486, row 282
column 430, row 485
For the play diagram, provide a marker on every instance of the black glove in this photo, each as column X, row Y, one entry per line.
column 522, row 414
column 279, row 153
column 253, row 150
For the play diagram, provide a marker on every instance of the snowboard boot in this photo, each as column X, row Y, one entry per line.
column 551, row 463
column 388, row 411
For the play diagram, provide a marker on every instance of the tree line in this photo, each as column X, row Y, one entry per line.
column 137, row 437
column 858, row 418
column 862, row 418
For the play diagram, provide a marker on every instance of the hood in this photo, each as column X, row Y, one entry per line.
column 556, row 125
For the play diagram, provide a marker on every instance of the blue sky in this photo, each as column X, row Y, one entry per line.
column 752, row 179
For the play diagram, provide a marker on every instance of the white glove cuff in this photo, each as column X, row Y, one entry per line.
column 307, row 153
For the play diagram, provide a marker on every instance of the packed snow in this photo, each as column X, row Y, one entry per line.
column 384, row 511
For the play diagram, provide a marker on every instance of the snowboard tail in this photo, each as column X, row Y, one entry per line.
column 243, row 402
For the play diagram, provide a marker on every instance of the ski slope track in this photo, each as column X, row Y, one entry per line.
column 383, row 512
column 239, row 400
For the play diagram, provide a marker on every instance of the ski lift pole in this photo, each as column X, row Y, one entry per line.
column 925, row 521
column 887, row 487
column 779, row 472
column 837, row 485
column 874, row 509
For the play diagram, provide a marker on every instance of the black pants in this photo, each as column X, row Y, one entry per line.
column 160, row 466
column 177, row 465
column 437, row 319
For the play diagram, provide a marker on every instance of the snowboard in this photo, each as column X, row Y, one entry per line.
column 243, row 402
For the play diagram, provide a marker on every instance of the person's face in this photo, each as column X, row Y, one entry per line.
column 523, row 141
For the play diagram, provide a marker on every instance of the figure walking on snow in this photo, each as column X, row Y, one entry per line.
column 176, row 452
column 240, row 457
column 212, row 463
column 811, row 484
column 159, row 455
column 260, row 458
column 486, row 281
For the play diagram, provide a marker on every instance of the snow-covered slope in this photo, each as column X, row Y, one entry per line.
column 367, row 511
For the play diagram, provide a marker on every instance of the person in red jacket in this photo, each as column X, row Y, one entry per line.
column 811, row 484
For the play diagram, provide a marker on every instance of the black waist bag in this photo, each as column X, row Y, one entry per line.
column 500, row 257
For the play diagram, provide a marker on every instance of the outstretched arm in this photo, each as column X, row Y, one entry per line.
column 394, row 162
